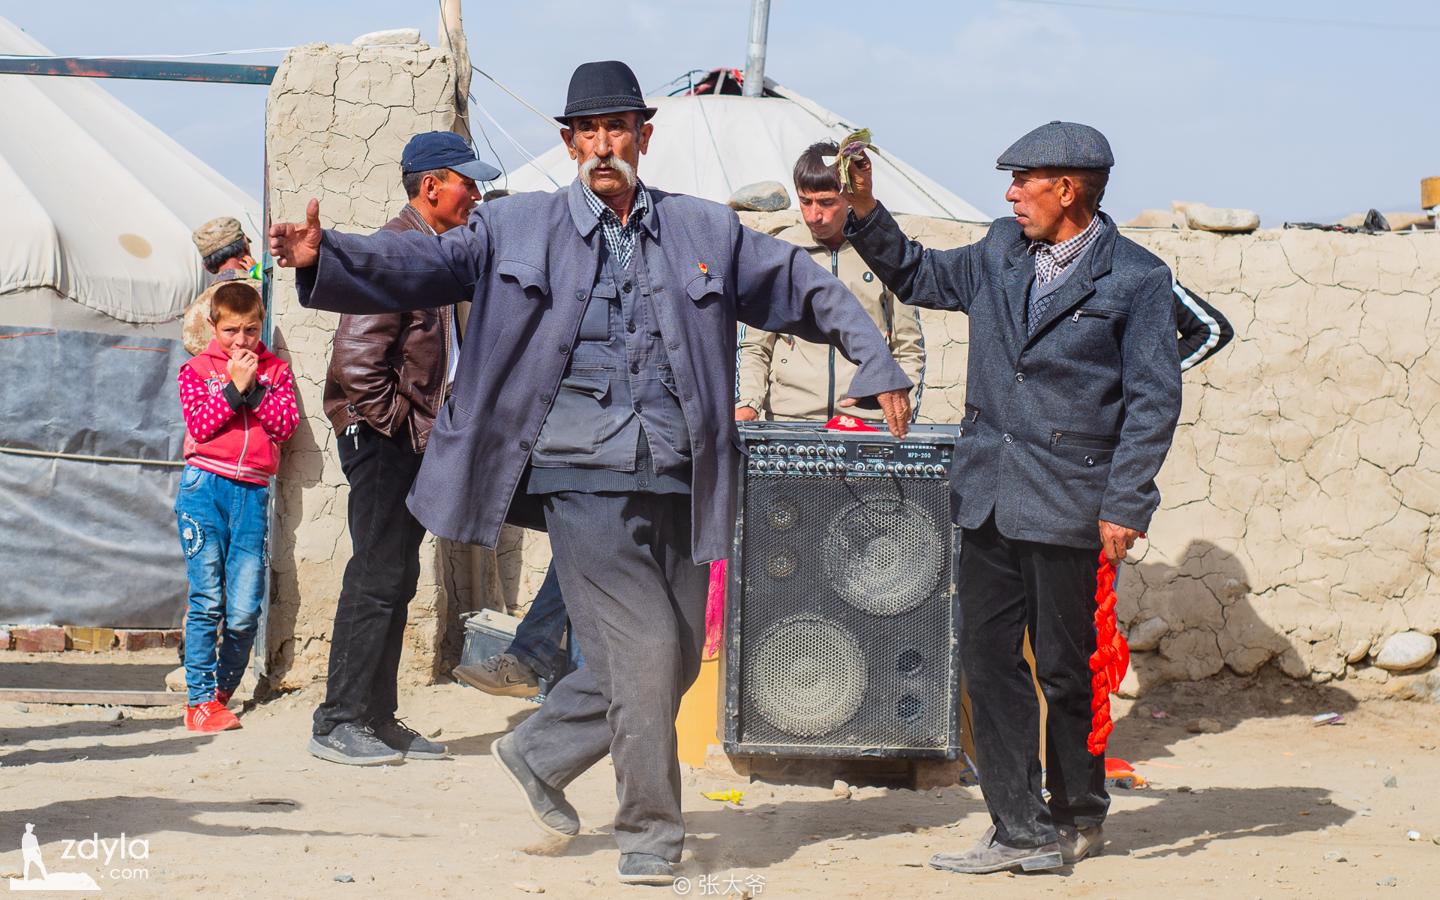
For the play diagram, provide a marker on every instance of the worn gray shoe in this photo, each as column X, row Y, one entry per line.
column 502, row 675
column 1078, row 843
column 644, row 868
column 547, row 805
column 989, row 855
column 351, row 744
column 411, row 743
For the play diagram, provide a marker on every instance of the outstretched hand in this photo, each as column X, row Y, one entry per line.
column 896, row 407
column 861, row 195
column 296, row 245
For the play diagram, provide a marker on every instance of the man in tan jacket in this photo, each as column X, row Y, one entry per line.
column 788, row 379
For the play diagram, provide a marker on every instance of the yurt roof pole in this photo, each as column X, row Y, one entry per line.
column 150, row 70
column 755, row 53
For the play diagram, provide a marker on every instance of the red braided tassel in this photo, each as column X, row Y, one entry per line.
column 1109, row 661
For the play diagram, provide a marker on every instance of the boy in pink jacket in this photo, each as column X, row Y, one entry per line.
column 238, row 400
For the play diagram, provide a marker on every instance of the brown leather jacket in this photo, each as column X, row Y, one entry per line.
column 389, row 370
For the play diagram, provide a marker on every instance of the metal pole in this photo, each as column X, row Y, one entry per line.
column 150, row 70
column 755, row 53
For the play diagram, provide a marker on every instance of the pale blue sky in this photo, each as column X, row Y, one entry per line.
column 1298, row 121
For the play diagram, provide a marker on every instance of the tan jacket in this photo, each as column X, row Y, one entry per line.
column 781, row 377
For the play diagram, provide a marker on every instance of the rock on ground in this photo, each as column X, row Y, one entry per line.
column 762, row 196
column 1405, row 651
column 1219, row 219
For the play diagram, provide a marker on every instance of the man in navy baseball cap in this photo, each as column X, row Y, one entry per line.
column 438, row 171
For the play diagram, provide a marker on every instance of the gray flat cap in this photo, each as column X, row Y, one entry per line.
column 1059, row 145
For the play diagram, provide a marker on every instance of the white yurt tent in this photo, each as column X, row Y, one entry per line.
column 96, row 268
column 99, row 205
column 709, row 145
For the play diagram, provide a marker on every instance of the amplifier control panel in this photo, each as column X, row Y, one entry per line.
column 920, row 458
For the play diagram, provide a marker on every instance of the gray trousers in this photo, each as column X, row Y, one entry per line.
column 637, row 603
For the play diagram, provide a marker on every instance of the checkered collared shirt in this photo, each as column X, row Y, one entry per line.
column 1052, row 259
column 619, row 239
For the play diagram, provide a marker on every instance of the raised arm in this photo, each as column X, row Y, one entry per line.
column 935, row 279
column 383, row 272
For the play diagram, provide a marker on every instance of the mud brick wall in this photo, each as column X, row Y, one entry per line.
column 1300, row 523
column 337, row 121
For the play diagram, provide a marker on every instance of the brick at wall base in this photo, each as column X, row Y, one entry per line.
column 147, row 638
column 38, row 638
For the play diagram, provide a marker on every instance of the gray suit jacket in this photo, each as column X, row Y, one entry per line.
column 528, row 262
column 1071, row 424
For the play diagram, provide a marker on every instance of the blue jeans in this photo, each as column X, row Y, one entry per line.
column 537, row 639
column 222, row 533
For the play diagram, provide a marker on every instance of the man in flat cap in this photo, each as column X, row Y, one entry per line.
column 596, row 384
column 1072, row 395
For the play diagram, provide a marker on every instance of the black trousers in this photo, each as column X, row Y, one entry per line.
column 1007, row 586
column 637, row 603
column 379, row 580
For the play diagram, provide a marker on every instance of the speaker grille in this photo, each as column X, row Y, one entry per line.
column 883, row 556
column 846, row 616
column 807, row 676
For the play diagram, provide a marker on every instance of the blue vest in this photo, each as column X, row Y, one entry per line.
column 616, row 423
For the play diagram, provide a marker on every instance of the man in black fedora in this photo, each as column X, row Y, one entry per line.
column 596, row 386
column 1072, row 394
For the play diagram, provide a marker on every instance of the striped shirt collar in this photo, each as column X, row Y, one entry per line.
column 1052, row 259
column 619, row 239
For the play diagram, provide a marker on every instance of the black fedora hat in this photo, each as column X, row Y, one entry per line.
column 597, row 88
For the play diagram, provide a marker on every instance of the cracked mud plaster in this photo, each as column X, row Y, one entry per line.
column 1301, row 501
column 337, row 120
column 1301, row 511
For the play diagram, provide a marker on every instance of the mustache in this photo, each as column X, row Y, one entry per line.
column 627, row 171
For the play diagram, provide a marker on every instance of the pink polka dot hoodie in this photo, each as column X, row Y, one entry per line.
column 232, row 434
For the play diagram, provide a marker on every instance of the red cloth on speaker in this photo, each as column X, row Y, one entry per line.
column 1109, row 661
column 715, row 610
column 847, row 423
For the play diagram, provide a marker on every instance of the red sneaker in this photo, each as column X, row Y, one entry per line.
column 223, row 697
column 210, row 717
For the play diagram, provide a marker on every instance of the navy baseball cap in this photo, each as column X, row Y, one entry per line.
column 444, row 150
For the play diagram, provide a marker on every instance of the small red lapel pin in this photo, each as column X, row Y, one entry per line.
column 704, row 269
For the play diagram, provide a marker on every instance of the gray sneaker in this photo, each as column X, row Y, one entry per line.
column 1078, row 843
column 644, row 868
column 352, row 744
column 547, row 805
column 399, row 736
column 989, row 855
column 503, row 676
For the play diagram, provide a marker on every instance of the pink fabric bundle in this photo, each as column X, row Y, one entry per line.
column 715, row 610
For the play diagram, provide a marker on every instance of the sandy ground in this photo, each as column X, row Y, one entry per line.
column 1268, row 806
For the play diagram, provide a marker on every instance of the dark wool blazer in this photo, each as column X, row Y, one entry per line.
column 1071, row 424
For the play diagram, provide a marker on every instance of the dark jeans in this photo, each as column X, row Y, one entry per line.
column 637, row 599
column 538, row 639
column 1007, row 586
column 379, row 580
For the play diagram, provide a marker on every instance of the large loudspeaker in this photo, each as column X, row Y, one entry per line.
column 841, row 618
